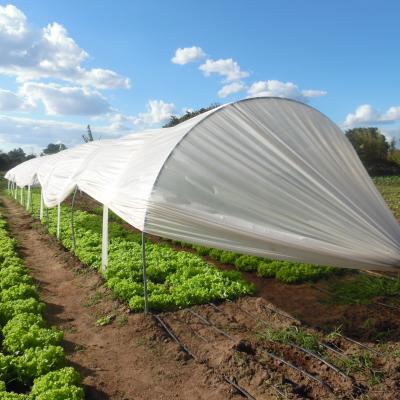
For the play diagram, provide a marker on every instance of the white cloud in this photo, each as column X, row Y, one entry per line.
column 37, row 133
column 366, row 114
column 313, row 93
column 188, row 54
column 12, row 21
column 391, row 115
column 275, row 88
column 10, row 101
column 16, row 131
column 31, row 133
column 228, row 68
column 59, row 100
column 120, row 122
column 230, row 88
column 157, row 112
column 30, row 53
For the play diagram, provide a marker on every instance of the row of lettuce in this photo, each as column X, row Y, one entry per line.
column 176, row 279
column 284, row 271
column 32, row 361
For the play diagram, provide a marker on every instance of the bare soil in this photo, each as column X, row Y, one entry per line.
column 134, row 358
column 128, row 359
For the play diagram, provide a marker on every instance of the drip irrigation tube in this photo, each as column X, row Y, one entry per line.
column 169, row 331
column 321, row 359
column 300, row 370
column 172, row 335
column 211, row 325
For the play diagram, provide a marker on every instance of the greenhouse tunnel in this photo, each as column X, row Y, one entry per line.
column 264, row 176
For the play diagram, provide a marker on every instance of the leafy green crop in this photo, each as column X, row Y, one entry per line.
column 58, row 385
column 285, row 271
column 30, row 350
column 176, row 279
column 27, row 330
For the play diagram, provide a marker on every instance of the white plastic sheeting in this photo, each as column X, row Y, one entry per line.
column 265, row 176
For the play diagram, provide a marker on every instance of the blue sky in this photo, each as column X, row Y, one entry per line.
column 66, row 64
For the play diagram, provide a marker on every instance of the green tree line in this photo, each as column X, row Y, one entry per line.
column 378, row 154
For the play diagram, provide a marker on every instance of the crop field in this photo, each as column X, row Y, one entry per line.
column 222, row 325
column 32, row 359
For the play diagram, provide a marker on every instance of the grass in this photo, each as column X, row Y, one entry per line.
column 362, row 289
column 364, row 362
column 293, row 335
column 121, row 321
column 389, row 187
column 94, row 299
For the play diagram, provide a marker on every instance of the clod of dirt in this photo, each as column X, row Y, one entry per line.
column 244, row 346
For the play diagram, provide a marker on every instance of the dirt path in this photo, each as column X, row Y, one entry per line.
column 128, row 359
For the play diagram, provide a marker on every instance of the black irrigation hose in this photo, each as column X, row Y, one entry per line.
column 250, row 314
column 339, row 334
column 241, row 390
column 361, row 344
column 257, row 319
column 304, row 350
column 211, row 325
column 207, row 341
column 191, row 329
column 169, row 331
column 321, row 359
column 279, row 391
column 339, row 353
column 280, row 313
column 300, row 370
column 172, row 335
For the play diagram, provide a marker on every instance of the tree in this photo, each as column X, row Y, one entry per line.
column 53, row 148
column 174, row 120
column 370, row 145
column 89, row 137
column 374, row 150
column 12, row 158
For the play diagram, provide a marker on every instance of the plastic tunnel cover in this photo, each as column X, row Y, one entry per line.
column 265, row 176
column 274, row 178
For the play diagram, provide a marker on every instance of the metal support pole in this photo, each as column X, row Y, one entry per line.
column 16, row 191
column 41, row 205
column 28, row 200
column 72, row 220
column 58, row 220
column 22, row 196
column 8, row 186
column 47, row 220
column 104, row 241
column 146, row 308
